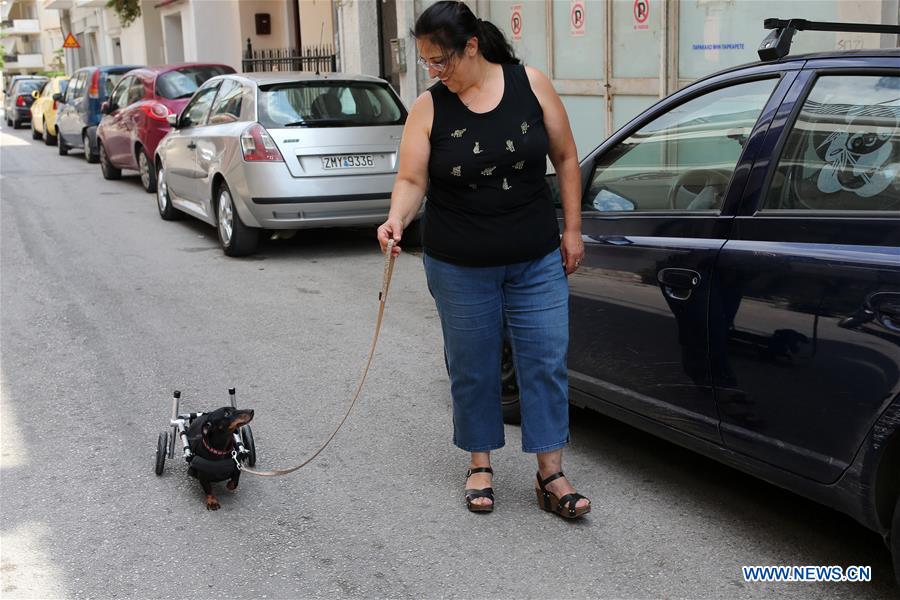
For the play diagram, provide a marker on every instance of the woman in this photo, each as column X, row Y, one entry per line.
column 477, row 143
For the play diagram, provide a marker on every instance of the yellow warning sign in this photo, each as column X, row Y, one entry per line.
column 71, row 42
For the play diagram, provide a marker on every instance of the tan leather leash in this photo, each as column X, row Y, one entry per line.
column 382, row 297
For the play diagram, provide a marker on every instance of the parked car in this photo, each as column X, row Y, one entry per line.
column 43, row 111
column 281, row 151
column 79, row 110
column 135, row 116
column 17, row 104
column 740, row 291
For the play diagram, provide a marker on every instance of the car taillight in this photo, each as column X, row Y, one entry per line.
column 257, row 144
column 156, row 111
column 94, row 90
column 20, row 101
column 55, row 104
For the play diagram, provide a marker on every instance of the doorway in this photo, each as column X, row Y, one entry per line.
column 173, row 38
column 387, row 30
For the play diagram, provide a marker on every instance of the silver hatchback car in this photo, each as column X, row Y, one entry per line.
column 281, row 151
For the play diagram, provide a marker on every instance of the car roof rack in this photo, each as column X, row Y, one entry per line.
column 778, row 43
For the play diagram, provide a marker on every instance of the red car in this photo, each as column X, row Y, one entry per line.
column 135, row 116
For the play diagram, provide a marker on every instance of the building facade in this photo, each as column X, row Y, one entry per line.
column 31, row 34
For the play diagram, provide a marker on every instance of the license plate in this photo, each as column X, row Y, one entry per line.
column 348, row 161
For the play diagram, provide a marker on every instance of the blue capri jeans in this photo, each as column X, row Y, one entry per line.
column 474, row 303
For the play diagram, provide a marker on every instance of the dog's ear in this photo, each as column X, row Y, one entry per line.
column 206, row 427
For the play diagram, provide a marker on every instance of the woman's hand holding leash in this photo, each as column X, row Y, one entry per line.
column 392, row 229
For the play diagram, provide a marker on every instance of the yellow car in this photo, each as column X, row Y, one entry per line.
column 43, row 111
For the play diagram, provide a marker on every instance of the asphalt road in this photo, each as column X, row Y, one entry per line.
column 105, row 309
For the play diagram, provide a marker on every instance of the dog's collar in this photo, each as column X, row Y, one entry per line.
column 216, row 451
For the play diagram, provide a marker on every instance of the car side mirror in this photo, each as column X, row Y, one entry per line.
column 173, row 121
column 106, row 108
column 58, row 97
column 35, row 94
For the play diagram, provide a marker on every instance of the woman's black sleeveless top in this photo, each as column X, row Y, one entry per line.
column 488, row 202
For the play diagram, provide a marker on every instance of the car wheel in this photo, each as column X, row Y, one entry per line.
column 34, row 132
column 148, row 173
column 237, row 239
column 8, row 122
column 88, row 154
column 61, row 145
column 15, row 124
column 49, row 138
column 163, row 201
column 106, row 167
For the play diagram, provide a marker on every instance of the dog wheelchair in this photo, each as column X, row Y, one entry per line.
column 244, row 449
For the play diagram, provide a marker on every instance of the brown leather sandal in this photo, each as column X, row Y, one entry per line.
column 565, row 506
column 472, row 494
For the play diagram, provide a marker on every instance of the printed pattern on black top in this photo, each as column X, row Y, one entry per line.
column 488, row 201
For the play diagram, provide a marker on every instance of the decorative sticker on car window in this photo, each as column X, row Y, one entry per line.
column 857, row 157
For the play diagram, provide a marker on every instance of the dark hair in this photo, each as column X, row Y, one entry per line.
column 450, row 24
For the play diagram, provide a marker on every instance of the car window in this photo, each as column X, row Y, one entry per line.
column 63, row 86
column 197, row 110
column 78, row 85
column 135, row 90
column 185, row 81
column 227, row 108
column 111, row 80
column 683, row 159
column 328, row 104
column 843, row 151
column 28, row 86
column 46, row 89
column 119, row 95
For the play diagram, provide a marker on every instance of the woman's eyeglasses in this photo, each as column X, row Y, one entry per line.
column 438, row 65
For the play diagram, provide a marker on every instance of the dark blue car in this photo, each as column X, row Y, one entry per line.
column 740, row 293
column 79, row 109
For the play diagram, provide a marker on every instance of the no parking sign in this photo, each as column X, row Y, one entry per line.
column 576, row 18
column 515, row 21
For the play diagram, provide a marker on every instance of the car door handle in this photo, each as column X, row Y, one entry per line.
column 883, row 307
column 678, row 284
column 191, row 145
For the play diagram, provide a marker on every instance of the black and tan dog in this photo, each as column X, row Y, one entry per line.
column 211, row 439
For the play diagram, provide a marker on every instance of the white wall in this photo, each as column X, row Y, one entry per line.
column 281, row 19
column 317, row 22
column 358, row 36
column 220, row 43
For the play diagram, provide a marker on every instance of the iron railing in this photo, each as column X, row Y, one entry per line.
column 317, row 59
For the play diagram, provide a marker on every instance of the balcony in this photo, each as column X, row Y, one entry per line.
column 90, row 3
column 21, row 27
column 59, row 4
column 24, row 61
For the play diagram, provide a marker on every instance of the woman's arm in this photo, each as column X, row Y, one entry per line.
column 412, row 175
column 564, row 157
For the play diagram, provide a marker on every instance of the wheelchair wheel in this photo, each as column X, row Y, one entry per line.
column 162, row 448
column 249, row 444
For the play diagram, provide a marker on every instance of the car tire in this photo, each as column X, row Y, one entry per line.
column 61, row 146
column 49, row 138
column 8, row 122
column 148, row 173
column 89, row 156
column 106, row 166
column 163, row 201
column 236, row 238
column 15, row 124
column 34, row 132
